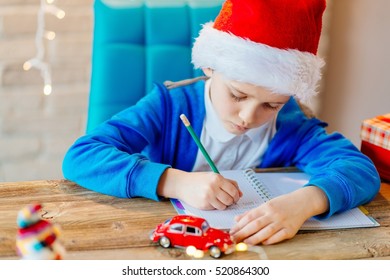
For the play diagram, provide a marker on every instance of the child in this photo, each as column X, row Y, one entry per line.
column 259, row 57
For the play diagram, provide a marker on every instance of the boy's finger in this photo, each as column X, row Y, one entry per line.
column 233, row 190
column 236, row 185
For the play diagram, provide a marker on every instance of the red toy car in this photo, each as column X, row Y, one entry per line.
column 186, row 230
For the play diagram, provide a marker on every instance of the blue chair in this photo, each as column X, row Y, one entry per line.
column 137, row 43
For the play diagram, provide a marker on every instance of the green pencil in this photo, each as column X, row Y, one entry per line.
column 198, row 143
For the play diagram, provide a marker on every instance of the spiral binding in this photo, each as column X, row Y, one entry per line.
column 259, row 187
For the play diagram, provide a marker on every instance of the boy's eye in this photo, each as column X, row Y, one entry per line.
column 236, row 98
column 271, row 106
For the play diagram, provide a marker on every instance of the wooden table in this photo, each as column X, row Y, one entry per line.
column 96, row 226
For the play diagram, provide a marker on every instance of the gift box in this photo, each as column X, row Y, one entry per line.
column 375, row 136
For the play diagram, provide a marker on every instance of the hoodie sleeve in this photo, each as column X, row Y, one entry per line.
column 348, row 177
column 109, row 160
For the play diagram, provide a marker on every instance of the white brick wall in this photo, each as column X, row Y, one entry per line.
column 36, row 130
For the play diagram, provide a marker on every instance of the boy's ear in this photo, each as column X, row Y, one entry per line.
column 208, row 72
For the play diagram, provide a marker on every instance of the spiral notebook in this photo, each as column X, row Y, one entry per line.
column 258, row 188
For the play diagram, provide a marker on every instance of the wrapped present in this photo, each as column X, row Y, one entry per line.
column 375, row 136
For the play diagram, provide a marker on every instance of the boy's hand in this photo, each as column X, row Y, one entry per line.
column 207, row 190
column 280, row 218
column 203, row 190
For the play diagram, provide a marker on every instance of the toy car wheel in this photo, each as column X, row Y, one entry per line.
column 215, row 252
column 164, row 242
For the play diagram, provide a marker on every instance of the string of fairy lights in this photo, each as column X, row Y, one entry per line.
column 38, row 61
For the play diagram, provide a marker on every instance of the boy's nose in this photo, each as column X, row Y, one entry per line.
column 247, row 116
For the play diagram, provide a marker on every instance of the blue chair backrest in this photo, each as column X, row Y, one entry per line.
column 137, row 43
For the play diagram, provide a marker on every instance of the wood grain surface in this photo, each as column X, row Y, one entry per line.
column 100, row 227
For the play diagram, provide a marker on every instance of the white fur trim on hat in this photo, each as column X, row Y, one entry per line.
column 287, row 72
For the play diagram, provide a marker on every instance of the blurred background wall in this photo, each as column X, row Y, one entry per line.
column 357, row 78
column 36, row 130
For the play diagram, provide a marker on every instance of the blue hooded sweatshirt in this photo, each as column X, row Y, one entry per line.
column 126, row 155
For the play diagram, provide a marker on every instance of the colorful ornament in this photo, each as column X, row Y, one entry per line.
column 37, row 239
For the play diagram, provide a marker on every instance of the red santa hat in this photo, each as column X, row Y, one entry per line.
column 270, row 43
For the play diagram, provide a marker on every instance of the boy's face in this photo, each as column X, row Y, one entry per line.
column 242, row 106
